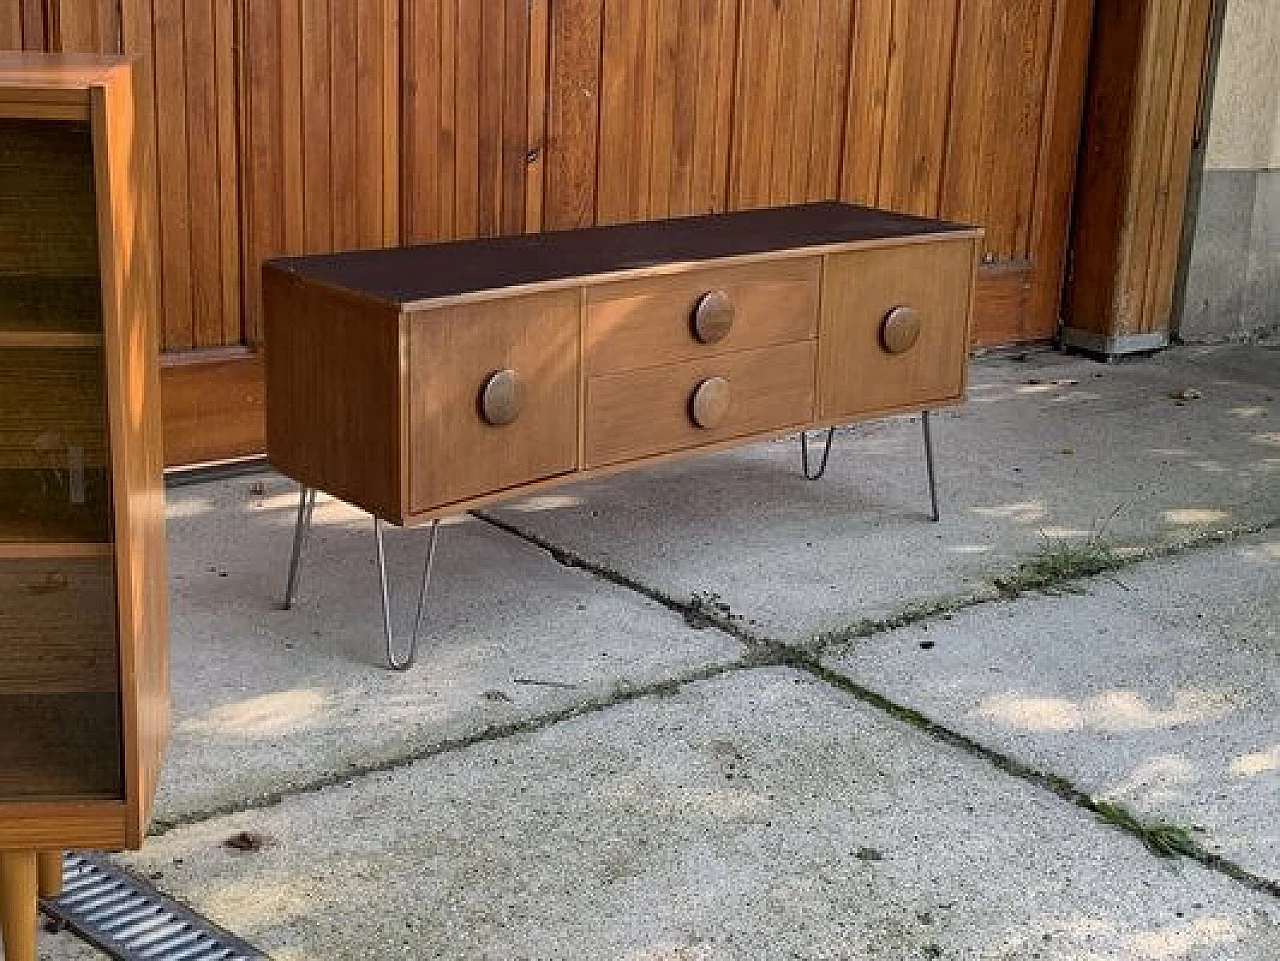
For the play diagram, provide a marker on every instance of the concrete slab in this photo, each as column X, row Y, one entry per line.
column 1158, row 689
column 1048, row 448
column 266, row 699
column 761, row 814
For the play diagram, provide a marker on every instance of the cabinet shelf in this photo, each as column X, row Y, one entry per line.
column 49, row 338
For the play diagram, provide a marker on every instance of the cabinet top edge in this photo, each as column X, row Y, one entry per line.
column 434, row 274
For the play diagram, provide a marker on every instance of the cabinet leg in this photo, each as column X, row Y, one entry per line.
column 18, row 890
column 928, row 460
column 49, row 869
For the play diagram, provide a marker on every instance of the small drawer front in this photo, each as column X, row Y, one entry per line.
column 700, row 313
column 648, row 412
column 57, row 626
column 493, row 396
column 895, row 327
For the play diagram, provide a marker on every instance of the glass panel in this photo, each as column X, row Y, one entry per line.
column 55, row 746
column 48, row 227
column 53, row 445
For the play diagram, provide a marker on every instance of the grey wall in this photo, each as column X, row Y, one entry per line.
column 1233, row 273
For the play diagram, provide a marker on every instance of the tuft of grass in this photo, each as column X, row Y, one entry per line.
column 1058, row 566
column 1166, row 840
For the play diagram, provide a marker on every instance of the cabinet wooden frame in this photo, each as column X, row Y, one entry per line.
column 100, row 92
column 345, row 384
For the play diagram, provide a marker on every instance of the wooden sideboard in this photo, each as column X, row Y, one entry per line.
column 84, row 696
column 423, row 381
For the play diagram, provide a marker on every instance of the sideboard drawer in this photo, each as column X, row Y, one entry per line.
column 492, row 396
column 646, row 412
column 894, row 331
column 698, row 313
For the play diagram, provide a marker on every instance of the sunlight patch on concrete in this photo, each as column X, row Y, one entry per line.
column 1260, row 762
column 268, row 715
column 1180, row 940
column 1111, row 711
column 1196, row 515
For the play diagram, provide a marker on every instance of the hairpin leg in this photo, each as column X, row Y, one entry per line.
column 804, row 454
column 306, row 506
column 392, row 661
column 928, row 460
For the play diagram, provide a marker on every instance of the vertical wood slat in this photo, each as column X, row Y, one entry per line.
column 790, row 110
column 1138, row 132
column 472, row 121
column 320, row 131
column 573, row 113
column 917, row 104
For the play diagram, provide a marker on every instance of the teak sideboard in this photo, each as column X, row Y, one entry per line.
column 424, row 381
column 84, row 695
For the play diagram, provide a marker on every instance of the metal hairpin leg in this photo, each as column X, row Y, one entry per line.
column 392, row 662
column 804, row 454
column 306, row 506
column 928, row 460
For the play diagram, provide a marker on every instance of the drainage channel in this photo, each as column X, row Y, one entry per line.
column 124, row 916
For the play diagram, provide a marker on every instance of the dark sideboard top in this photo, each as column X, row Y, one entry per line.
column 405, row 275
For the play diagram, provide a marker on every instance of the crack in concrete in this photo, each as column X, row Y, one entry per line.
column 765, row 652
column 769, row 652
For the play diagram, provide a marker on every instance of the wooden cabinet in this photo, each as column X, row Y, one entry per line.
column 422, row 381
column 83, row 613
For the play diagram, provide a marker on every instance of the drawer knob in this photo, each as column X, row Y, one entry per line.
column 713, row 317
column 502, row 398
column 900, row 330
column 710, row 404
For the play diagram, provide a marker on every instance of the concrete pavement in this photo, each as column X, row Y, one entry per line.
column 669, row 715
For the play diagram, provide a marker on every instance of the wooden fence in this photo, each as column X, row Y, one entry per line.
column 288, row 126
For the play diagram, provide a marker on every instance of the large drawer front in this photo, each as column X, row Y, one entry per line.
column 700, row 313
column 57, row 626
column 895, row 327
column 492, row 396
column 652, row 411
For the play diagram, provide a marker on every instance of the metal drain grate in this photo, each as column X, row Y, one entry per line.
column 121, row 914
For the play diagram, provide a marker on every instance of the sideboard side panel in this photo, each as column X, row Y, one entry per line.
column 333, row 393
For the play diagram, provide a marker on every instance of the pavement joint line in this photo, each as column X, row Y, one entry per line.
column 760, row 652
column 768, row 652
column 621, row 693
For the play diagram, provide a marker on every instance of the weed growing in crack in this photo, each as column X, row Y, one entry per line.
column 1166, row 840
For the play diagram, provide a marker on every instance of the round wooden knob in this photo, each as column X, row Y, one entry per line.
column 713, row 317
column 502, row 398
column 710, row 404
column 900, row 330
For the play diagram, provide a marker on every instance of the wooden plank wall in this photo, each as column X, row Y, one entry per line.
column 287, row 126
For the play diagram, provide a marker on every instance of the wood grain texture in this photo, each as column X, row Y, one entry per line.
column 19, row 888
column 57, row 619
column 1138, row 132
column 128, row 240
column 60, row 747
column 332, row 388
column 576, row 32
column 641, row 413
column 642, row 323
column 858, row 376
column 320, row 132
column 98, row 825
column 213, row 405
column 452, row 452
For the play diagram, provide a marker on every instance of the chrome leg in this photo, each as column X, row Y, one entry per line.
column 392, row 661
column 306, row 506
column 928, row 460
column 804, row 454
